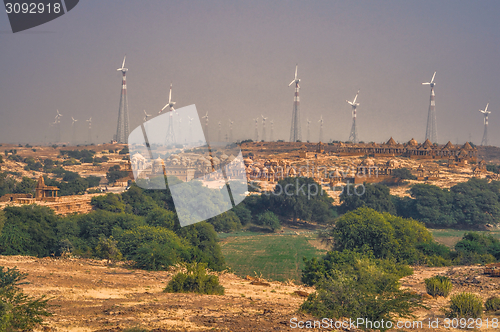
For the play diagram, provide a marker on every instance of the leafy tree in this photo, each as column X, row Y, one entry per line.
column 109, row 202
column 153, row 248
column 139, row 203
column 479, row 244
column 243, row 213
column 270, row 220
column 107, row 249
column 432, row 205
column 386, row 235
column 26, row 186
column 376, row 196
column 7, row 184
column 354, row 284
column 19, row 312
column 225, row 222
column 298, row 198
column 476, row 202
column 114, row 173
column 28, row 230
column 161, row 217
column 403, row 174
column 203, row 238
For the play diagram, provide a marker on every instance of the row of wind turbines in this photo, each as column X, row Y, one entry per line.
column 57, row 124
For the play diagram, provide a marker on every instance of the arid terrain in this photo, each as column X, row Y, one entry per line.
column 88, row 295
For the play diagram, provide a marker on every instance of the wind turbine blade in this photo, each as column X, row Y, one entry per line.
column 123, row 64
column 486, row 107
column 356, row 97
column 291, row 82
column 426, row 83
column 432, row 80
column 170, row 95
column 296, row 66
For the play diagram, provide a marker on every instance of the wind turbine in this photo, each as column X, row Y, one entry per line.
column 146, row 116
column 190, row 119
column 57, row 122
column 89, row 121
column 353, row 136
column 431, row 130
column 321, row 129
column 218, row 135
column 484, row 141
column 263, row 127
column 308, row 130
column 122, row 129
column 170, row 138
column 295, row 133
column 272, row 131
column 206, row 125
column 74, row 129
column 231, row 130
column 256, row 129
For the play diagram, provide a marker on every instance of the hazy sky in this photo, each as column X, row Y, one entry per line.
column 235, row 59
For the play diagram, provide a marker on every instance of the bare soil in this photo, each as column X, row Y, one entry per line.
column 87, row 295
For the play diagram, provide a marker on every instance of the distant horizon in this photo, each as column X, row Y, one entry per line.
column 235, row 61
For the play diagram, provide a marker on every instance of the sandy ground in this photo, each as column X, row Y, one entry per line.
column 88, row 295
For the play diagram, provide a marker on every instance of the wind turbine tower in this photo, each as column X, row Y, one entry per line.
column 295, row 133
column 484, row 141
column 206, row 125
column 231, row 130
column 190, row 119
column 353, row 136
column 73, row 125
column 256, row 135
column 263, row 127
column 89, row 140
column 170, row 138
column 57, row 122
column 431, row 131
column 219, row 133
column 272, row 131
column 308, row 130
column 321, row 129
column 123, row 130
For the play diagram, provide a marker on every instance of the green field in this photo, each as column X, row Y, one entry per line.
column 275, row 256
column 450, row 237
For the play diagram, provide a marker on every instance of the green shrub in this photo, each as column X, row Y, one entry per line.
column 343, row 296
column 438, row 286
column 107, row 249
column 18, row 312
column 466, row 305
column 492, row 304
column 195, row 280
column 438, row 261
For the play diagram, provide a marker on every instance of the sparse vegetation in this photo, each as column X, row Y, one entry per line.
column 492, row 304
column 438, row 286
column 19, row 312
column 195, row 280
column 465, row 305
